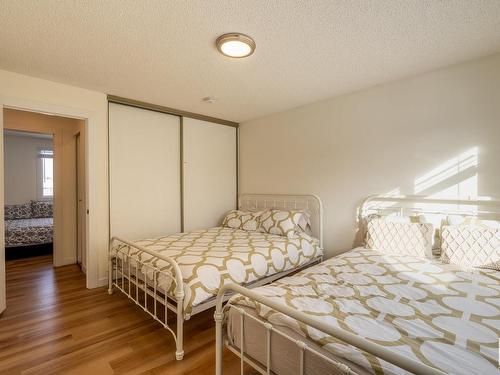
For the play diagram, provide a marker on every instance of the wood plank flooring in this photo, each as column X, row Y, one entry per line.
column 54, row 325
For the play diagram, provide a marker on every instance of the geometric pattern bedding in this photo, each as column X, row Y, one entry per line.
column 439, row 314
column 471, row 246
column 400, row 238
column 213, row 257
column 25, row 232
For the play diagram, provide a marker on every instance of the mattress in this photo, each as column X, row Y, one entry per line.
column 213, row 257
column 25, row 232
column 442, row 315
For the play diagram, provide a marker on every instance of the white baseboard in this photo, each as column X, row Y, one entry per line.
column 102, row 281
column 64, row 262
column 70, row 260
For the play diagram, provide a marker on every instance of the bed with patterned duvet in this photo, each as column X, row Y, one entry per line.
column 28, row 224
column 443, row 315
column 209, row 258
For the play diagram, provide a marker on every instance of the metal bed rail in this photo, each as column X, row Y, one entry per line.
column 398, row 360
column 130, row 276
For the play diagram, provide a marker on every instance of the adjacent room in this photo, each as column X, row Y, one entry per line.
column 250, row 187
column 28, row 194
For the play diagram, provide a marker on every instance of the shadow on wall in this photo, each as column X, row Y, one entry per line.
column 454, row 178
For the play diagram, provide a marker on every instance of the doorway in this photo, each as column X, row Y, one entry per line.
column 58, row 184
column 28, row 194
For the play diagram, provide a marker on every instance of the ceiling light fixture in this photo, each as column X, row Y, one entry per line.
column 209, row 99
column 235, row 45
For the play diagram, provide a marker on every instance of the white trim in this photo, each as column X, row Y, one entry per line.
column 103, row 281
column 39, row 174
column 91, row 124
column 68, row 260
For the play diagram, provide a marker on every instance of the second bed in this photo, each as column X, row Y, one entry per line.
column 183, row 272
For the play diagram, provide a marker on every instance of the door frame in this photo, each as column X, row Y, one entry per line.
column 90, row 119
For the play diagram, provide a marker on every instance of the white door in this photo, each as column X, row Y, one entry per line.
column 144, row 157
column 81, row 210
column 210, row 171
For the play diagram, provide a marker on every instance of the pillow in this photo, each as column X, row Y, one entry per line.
column 17, row 211
column 471, row 246
column 244, row 220
column 304, row 224
column 400, row 238
column 42, row 209
column 282, row 222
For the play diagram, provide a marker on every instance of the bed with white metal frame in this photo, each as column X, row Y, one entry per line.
column 481, row 208
column 130, row 277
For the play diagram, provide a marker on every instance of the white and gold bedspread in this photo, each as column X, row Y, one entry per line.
column 213, row 257
column 442, row 315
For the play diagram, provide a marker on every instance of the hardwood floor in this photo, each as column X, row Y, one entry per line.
column 53, row 324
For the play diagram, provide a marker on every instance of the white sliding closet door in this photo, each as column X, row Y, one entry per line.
column 209, row 173
column 144, row 158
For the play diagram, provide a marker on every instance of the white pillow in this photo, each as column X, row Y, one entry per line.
column 471, row 246
column 400, row 238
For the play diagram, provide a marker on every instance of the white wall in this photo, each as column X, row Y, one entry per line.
column 20, row 163
column 19, row 91
column 437, row 133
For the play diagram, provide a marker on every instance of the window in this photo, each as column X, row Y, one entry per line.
column 46, row 173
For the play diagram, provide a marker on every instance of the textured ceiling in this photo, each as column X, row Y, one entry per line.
column 163, row 51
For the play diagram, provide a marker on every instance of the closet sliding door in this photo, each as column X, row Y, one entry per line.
column 144, row 156
column 210, row 170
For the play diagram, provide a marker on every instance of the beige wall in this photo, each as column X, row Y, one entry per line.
column 437, row 133
column 22, row 91
column 20, row 163
column 65, row 188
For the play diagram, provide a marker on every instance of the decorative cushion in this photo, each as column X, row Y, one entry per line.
column 42, row 209
column 245, row 220
column 471, row 246
column 400, row 238
column 17, row 211
column 281, row 222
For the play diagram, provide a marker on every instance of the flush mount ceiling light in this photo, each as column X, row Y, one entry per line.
column 209, row 99
column 235, row 45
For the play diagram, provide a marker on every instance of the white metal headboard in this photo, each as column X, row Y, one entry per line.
column 481, row 207
column 311, row 202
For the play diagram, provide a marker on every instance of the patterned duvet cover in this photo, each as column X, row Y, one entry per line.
column 442, row 315
column 26, row 232
column 213, row 257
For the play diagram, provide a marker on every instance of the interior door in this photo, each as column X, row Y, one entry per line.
column 210, row 170
column 80, row 196
column 144, row 156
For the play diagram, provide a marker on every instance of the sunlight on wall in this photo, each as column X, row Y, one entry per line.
column 455, row 178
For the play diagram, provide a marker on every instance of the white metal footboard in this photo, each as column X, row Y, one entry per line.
column 132, row 277
column 347, row 337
